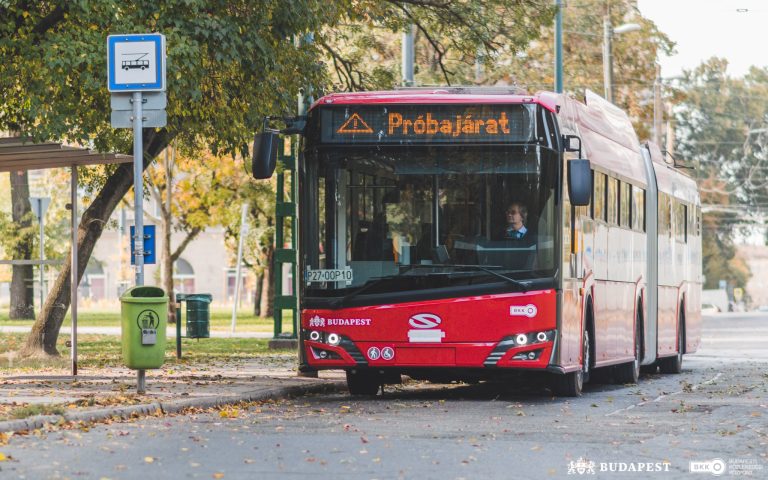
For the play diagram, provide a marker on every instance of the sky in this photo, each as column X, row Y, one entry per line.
column 734, row 29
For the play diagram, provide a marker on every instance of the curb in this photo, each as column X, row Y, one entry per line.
column 173, row 406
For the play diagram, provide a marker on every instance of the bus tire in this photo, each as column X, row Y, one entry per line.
column 675, row 364
column 630, row 372
column 571, row 384
column 360, row 382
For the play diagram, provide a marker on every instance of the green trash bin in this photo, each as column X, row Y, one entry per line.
column 144, row 316
column 198, row 314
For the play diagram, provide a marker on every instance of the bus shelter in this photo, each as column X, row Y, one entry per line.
column 17, row 154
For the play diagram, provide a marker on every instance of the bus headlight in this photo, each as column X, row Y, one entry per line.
column 314, row 335
column 334, row 339
column 521, row 339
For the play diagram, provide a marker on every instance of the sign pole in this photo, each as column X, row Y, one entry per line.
column 42, row 254
column 136, row 64
column 138, row 189
column 138, row 210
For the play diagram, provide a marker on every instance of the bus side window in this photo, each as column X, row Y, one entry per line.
column 697, row 221
column 665, row 226
column 613, row 201
column 598, row 197
column 625, row 209
column 638, row 209
column 680, row 215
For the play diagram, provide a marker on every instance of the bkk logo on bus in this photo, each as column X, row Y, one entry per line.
column 426, row 328
column 529, row 310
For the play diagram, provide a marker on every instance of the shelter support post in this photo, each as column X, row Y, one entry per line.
column 74, row 282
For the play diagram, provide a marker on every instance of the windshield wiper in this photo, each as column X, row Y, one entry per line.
column 339, row 302
column 523, row 286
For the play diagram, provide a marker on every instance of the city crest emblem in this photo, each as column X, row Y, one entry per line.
column 581, row 466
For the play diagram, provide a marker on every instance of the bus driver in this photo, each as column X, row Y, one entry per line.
column 517, row 215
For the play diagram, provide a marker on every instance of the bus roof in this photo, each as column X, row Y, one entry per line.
column 671, row 180
column 608, row 138
column 438, row 95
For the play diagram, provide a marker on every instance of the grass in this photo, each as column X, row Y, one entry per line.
column 30, row 410
column 100, row 351
column 221, row 320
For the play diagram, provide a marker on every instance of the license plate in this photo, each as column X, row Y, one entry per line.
column 330, row 275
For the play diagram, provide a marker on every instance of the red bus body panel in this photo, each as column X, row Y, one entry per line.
column 468, row 331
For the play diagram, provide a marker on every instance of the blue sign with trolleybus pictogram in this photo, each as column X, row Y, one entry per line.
column 136, row 62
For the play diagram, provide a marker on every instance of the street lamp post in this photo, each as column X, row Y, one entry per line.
column 608, row 33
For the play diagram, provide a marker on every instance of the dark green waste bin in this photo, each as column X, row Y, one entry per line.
column 198, row 314
column 144, row 316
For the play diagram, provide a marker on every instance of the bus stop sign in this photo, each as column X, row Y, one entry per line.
column 136, row 62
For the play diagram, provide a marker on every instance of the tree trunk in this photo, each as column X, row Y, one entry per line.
column 258, row 293
column 270, row 293
column 45, row 331
column 166, row 260
column 22, row 279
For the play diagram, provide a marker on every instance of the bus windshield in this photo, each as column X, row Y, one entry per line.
column 399, row 219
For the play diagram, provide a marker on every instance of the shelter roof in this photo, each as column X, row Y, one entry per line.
column 18, row 154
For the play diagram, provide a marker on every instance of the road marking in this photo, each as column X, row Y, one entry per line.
column 663, row 396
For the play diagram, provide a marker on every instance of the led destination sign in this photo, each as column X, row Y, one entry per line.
column 427, row 124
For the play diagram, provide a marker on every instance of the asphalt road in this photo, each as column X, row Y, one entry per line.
column 716, row 409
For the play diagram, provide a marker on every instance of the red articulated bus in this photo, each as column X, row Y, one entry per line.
column 411, row 265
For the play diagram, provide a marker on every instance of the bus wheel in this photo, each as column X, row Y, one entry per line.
column 630, row 372
column 572, row 383
column 675, row 364
column 362, row 382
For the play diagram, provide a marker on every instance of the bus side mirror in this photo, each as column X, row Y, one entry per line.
column 264, row 154
column 579, row 182
column 572, row 143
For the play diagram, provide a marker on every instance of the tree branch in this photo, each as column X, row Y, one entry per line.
column 191, row 235
column 50, row 20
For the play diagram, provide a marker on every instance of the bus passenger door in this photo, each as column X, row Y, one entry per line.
column 575, row 244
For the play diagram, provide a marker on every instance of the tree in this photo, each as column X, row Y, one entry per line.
column 722, row 132
column 451, row 36
column 192, row 190
column 19, row 239
column 635, row 55
column 230, row 63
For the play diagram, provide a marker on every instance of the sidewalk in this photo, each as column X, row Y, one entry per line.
column 98, row 394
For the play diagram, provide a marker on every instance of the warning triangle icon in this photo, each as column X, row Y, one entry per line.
column 355, row 124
